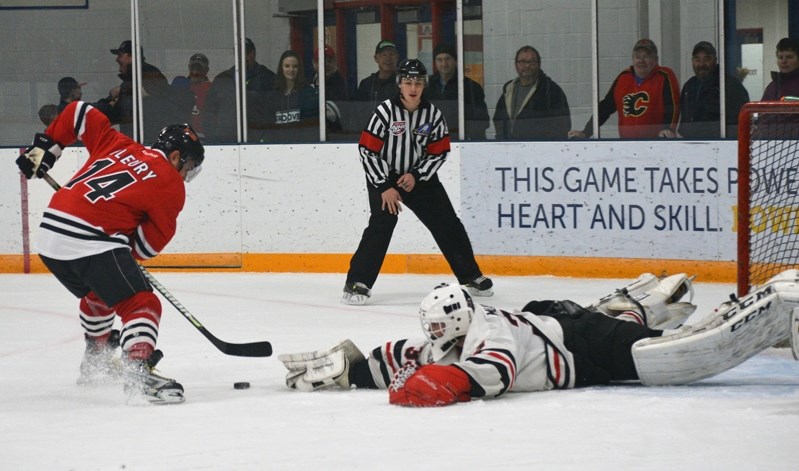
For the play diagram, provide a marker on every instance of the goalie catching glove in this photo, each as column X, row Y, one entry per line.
column 322, row 369
column 40, row 157
column 429, row 386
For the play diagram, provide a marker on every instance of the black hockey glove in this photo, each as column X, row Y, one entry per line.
column 40, row 157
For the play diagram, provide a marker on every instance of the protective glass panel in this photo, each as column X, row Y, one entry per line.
column 536, row 68
column 282, row 106
column 50, row 61
column 645, row 59
column 759, row 52
column 186, row 45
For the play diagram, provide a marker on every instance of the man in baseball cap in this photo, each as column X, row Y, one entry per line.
column 700, row 114
column 335, row 86
column 198, row 60
column 646, row 44
column 329, row 53
column 645, row 97
column 381, row 85
column 69, row 90
column 126, row 47
column 385, row 44
column 705, row 47
column 198, row 83
column 154, row 83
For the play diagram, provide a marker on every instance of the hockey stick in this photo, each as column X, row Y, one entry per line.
column 254, row 349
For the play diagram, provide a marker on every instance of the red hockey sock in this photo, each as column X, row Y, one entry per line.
column 141, row 315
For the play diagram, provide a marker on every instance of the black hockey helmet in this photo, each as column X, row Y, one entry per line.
column 411, row 68
column 181, row 137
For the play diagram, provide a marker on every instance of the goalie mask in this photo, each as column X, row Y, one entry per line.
column 182, row 138
column 445, row 314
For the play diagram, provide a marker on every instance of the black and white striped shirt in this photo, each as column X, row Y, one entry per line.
column 398, row 141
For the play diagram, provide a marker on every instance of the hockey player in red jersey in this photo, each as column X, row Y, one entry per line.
column 476, row 351
column 121, row 206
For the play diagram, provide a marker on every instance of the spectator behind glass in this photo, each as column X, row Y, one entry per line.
column 69, row 90
column 442, row 90
column 162, row 105
column 335, row 87
column 219, row 120
column 532, row 106
column 784, row 82
column 700, row 113
column 198, row 83
column 290, row 112
column 48, row 114
column 645, row 95
column 381, row 85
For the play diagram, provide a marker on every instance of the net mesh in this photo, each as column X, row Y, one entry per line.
column 773, row 201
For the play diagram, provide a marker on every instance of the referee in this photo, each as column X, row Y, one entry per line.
column 401, row 149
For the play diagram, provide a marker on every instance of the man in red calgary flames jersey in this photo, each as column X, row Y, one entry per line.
column 646, row 96
column 120, row 206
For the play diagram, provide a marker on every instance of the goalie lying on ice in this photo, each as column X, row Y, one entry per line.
column 477, row 351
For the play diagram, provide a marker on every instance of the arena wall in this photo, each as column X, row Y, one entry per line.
column 578, row 208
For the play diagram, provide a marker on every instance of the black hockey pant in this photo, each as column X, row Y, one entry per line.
column 113, row 276
column 601, row 345
column 430, row 203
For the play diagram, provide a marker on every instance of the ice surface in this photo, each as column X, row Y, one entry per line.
column 746, row 418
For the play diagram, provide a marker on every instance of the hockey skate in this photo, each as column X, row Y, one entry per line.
column 356, row 294
column 480, row 286
column 101, row 363
column 143, row 386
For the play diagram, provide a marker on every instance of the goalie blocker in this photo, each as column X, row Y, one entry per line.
column 323, row 369
column 739, row 330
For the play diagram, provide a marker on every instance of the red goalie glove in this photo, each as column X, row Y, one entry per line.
column 430, row 385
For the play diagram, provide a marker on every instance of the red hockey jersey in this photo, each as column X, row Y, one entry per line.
column 644, row 109
column 126, row 195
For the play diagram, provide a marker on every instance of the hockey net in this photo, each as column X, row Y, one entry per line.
column 768, row 191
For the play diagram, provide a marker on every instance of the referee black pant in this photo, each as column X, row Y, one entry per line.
column 431, row 204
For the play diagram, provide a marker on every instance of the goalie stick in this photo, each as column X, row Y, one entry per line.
column 253, row 349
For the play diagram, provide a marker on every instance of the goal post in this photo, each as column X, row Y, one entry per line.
column 768, row 191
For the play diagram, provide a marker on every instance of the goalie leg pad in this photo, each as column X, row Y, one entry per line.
column 650, row 301
column 322, row 369
column 722, row 341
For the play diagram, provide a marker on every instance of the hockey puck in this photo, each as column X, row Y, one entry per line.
column 241, row 385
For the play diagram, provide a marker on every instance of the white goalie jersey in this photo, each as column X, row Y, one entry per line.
column 502, row 352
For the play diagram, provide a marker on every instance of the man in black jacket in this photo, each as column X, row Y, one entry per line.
column 700, row 115
column 442, row 90
column 219, row 114
column 162, row 104
column 381, row 85
column 532, row 106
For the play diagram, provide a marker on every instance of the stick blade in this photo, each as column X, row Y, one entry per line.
column 255, row 349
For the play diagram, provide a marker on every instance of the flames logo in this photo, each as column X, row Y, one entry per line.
column 635, row 104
